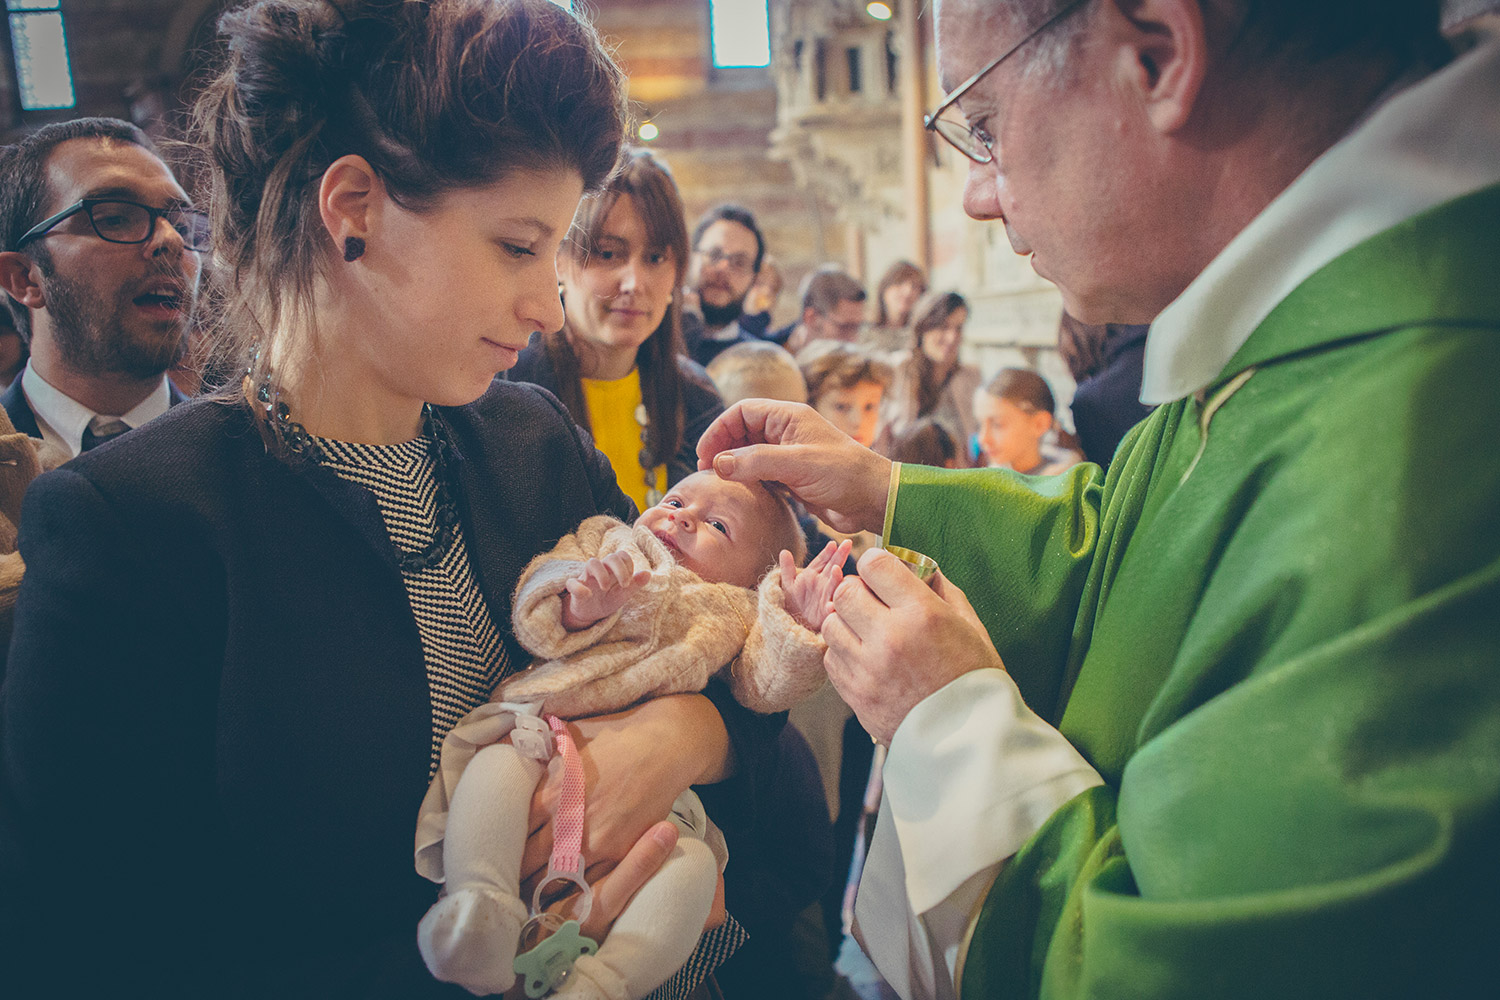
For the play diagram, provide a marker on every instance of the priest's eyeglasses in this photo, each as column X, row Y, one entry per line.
column 117, row 221
column 975, row 143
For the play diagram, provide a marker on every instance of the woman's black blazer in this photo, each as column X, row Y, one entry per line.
column 215, row 720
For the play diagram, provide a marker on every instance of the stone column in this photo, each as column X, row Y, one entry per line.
column 912, row 70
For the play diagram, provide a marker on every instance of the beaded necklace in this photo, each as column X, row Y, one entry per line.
column 304, row 446
column 643, row 420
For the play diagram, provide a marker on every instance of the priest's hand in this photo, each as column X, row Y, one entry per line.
column 893, row 640
column 838, row 479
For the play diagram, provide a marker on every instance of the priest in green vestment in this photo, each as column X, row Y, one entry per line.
column 1222, row 720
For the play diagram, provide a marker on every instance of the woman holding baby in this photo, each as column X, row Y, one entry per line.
column 245, row 629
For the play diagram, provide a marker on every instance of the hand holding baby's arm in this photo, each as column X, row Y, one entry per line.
column 808, row 590
column 601, row 589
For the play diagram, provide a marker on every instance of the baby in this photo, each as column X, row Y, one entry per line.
column 617, row 614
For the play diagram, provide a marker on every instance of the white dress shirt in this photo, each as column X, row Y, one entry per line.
column 62, row 419
column 972, row 773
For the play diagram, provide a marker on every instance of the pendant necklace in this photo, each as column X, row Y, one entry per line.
column 304, row 446
column 643, row 420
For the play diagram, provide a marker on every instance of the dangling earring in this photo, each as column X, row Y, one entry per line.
column 354, row 248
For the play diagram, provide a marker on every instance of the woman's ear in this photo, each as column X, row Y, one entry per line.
column 348, row 199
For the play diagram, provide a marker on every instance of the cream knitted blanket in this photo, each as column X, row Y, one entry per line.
column 671, row 637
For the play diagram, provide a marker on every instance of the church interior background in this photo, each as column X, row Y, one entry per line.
column 808, row 112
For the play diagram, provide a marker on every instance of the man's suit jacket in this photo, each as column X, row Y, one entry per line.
column 702, row 349
column 24, row 420
column 213, row 759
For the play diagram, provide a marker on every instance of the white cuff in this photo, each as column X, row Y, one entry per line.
column 972, row 773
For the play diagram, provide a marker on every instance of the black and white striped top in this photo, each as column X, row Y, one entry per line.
column 460, row 644
column 464, row 655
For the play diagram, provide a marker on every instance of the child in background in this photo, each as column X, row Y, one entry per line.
column 1015, row 411
column 924, row 442
column 617, row 614
column 846, row 385
column 760, row 300
column 757, row 370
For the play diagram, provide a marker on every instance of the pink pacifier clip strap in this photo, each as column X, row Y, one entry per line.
column 567, row 827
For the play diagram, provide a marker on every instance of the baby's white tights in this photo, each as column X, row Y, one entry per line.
column 469, row 936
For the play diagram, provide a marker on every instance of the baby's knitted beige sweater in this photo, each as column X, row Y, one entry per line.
column 671, row 636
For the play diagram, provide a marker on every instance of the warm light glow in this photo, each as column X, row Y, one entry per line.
column 879, row 11
column 647, row 131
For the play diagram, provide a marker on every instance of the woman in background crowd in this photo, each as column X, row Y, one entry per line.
column 930, row 380
column 896, row 295
column 1016, row 415
column 617, row 363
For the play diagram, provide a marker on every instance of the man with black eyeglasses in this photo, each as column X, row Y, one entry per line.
column 728, row 251
column 833, row 311
column 100, row 265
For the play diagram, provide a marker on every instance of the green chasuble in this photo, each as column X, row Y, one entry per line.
column 1272, row 627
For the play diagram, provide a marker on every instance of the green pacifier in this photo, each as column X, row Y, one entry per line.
column 545, row 965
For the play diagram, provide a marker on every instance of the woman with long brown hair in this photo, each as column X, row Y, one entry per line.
column 617, row 362
column 930, row 379
column 896, row 296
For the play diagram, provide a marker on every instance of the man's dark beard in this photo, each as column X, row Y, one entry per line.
column 91, row 338
column 717, row 316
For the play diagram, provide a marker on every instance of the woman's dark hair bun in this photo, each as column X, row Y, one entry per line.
column 286, row 52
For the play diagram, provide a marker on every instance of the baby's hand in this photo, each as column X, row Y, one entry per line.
column 809, row 590
column 600, row 590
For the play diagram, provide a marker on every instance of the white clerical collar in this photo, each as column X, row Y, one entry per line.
column 1429, row 143
column 62, row 419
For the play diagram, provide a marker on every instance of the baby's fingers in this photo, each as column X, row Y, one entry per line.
column 821, row 559
column 787, row 566
column 579, row 588
column 619, row 569
column 595, row 574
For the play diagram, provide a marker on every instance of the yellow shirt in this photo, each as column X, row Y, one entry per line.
column 612, row 407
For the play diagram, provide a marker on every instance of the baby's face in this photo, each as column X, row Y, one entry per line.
column 718, row 529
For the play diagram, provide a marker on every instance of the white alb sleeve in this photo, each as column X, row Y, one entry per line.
column 971, row 775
